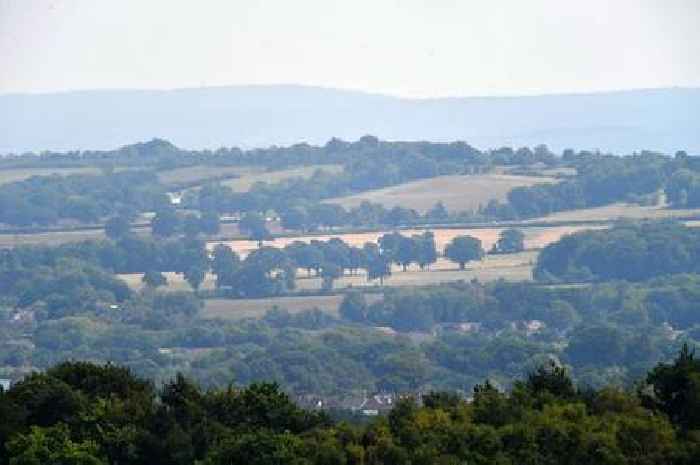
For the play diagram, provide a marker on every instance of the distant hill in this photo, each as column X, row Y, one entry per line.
column 253, row 116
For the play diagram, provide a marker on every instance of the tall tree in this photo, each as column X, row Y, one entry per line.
column 509, row 241
column 255, row 226
column 463, row 249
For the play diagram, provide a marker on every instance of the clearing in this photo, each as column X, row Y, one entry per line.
column 457, row 192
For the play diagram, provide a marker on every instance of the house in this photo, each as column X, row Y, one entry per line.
column 5, row 384
column 376, row 404
column 175, row 198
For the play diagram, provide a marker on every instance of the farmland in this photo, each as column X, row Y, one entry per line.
column 511, row 267
column 617, row 211
column 246, row 181
column 201, row 174
column 20, row 174
column 457, row 192
column 535, row 237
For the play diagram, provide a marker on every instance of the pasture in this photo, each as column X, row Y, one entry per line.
column 202, row 173
column 617, row 211
column 20, row 174
column 457, row 192
column 511, row 267
column 246, row 181
column 230, row 309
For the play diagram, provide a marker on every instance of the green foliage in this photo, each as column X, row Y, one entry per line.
column 633, row 252
column 544, row 419
column 509, row 241
column 463, row 249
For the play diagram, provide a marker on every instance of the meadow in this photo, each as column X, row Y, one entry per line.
column 456, row 192
column 20, row 174
column 202, row 173
column 617, row 211
column 247, row 180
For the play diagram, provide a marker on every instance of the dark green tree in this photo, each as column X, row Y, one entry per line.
column 509, row 241
column 463, row 249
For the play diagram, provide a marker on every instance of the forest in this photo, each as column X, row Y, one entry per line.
column 85, row 414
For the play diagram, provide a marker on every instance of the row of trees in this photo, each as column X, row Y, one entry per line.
column 86, row 414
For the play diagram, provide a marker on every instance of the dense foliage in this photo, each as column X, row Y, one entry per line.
column 86, row 414
column 631, row 251
column 45, row 200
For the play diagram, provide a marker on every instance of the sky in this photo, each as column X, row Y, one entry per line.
column 408, row 48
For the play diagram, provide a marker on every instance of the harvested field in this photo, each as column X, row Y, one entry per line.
column 457, row 193
column 535, row 237
column 20, row 174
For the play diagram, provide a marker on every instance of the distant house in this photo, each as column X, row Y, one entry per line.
column 386, row 330
column 175, row 198
column 376, row 404
column 5, row 384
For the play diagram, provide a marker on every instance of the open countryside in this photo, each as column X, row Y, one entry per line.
column 245, row 182
column 20, row 174
column 456, row 192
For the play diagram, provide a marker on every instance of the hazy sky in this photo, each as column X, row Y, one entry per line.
column 414, row 48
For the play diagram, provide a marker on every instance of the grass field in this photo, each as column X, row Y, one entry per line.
column 618, row 211
column 201, row 173
column 458, row 193
column 246, row 181
column 255, row 308
column 512, row 267
column 20, row 174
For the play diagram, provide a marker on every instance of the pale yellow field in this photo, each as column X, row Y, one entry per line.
column 201, row 173
column 245, row 182
column 457, row 193
column 535, row 237
column 20, row 174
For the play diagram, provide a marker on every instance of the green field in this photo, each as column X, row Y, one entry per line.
column 229, row 309
column 20, row 174
column 617, row 211
column 246, row 181
column 457, row 193
column 511, row 267
column 202, row 173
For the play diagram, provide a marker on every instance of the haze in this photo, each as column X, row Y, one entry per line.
column 408, row 48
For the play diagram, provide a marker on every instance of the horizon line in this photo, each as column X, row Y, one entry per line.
column 343, row 89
